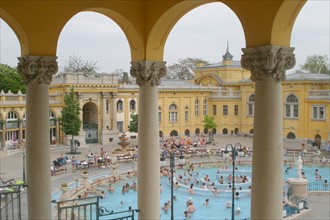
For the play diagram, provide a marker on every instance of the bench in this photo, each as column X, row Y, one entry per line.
column 54, row 170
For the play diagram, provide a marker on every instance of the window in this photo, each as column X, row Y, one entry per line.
column 196, row 107
column 186, row 116
column 204, row 107
column 132, row 105
column 250, row 110
column 107, row 105
column 159, row 117
column 214, row 108
column 12, row 120
column 120, row 105
column 52, row 119
column 236, row 110
column 225, row 110
column 173, row 113
column 318, row 112
column 291, row 107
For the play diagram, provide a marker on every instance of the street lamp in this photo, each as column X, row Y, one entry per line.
column 172, row 166
column 234, row 150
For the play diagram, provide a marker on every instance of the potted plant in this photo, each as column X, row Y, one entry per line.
column 64, row 187
column 84, row 174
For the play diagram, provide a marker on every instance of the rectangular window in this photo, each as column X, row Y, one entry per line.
column 318, row 112
column 205, row 107
column 159, row 117
column 236, row 109
column 225, row 110
column 173, row 116
column 186, row 116
column 214, row 107
column 250, row 109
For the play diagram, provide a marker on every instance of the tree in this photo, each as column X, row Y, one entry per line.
column 76, row 64
column 133, row 126
column 315, row 64
column 123, row 76
column 183, row 69
column 11, row 80
column 209, row 124
column 70, row 121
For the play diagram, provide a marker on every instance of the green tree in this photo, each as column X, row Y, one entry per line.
column 184, row 69
column 133, row 126
column 70, row 121
column 11, row 80
column 77, row 64
column 315, row 64
column 209, row 124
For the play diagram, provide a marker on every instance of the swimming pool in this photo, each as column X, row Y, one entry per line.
column 217, row 203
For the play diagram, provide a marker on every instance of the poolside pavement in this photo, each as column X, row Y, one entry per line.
column 11, row 164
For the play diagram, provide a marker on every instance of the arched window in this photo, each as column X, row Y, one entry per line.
column 187, row 132
column 174, row 133
column 196, row 107
column 11, row 120
column 52, row 118
column 251, row 131
column 291, row 135
column 197, row 131
column 236, row 130
column 132, row 105
column 160, row 134
column 206, row 130
column 214, row 130
column 173, row 113
column 120, row 106
column 250, row 109
column 1, row 122
column 225, row 131
column 291, row 106
column 205, row 107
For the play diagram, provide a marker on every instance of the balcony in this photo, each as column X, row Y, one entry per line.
column 226, row 95
column 319, row 94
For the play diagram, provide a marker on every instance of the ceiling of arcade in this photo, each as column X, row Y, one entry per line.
column 146, row 23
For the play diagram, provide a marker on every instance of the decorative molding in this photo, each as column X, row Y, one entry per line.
column 268, row 62
column 37, row 69
column 90, row 100
column 148, row 73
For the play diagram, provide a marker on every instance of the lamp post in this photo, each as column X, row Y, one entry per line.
column 233, row 157
column 172, row 167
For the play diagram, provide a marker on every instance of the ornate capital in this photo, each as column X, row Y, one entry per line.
column 268, row 62
column 148, row 73
column 37, row 69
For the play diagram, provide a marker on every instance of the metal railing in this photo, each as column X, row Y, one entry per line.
column 10, row 201
column 121, row 215
column 318, row 186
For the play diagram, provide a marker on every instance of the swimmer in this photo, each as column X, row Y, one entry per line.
column 228, row 205
column 191, row 190
column 110, row 188
column 238, row 211
column 237, row 195
column 191, row 208
column 166, row 207
column 186, row 214
column 206, row 203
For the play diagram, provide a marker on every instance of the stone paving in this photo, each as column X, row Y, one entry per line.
column 11, row 167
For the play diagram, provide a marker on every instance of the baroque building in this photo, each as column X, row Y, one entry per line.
column 222, row 90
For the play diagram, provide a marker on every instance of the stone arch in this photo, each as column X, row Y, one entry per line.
column 18, row 30
column 225, row 131
column 214, row 131
column 206, row 131
column 251, row 131
column 318, row 140
column 209, row 75
column 90, row 122
column 161, row 134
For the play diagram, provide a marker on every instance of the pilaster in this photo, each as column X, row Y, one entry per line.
column 148, row 74
column 37, row 73
column 268, row 65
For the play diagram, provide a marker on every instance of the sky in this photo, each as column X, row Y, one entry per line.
column 201, row 33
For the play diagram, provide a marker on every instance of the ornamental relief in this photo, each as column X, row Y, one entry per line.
column 268, row 62
column 148, row 73
column 37, row 69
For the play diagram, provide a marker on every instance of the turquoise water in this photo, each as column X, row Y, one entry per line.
column 217, row 203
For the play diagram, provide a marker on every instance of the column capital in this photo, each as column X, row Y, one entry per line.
column 37, row 69
column 148, row 73
column 268, row 62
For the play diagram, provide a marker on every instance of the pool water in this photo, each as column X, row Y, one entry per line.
column 217, row 203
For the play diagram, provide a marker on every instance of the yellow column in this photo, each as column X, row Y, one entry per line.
column 267, row 65
column 148, row 76
column 37, row 73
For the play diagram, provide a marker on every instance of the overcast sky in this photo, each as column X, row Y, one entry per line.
column 202, row 33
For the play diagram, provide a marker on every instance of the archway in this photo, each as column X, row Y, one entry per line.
column 187, row 132
column 236, row 130
column 174, row 133
column 291, row 135
column 214, row 130
column 225, row 131
column 90, row 124
column 206, row 130
column 318, row 140
column 161, row 134
column 197, row 131
column 251, row 131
